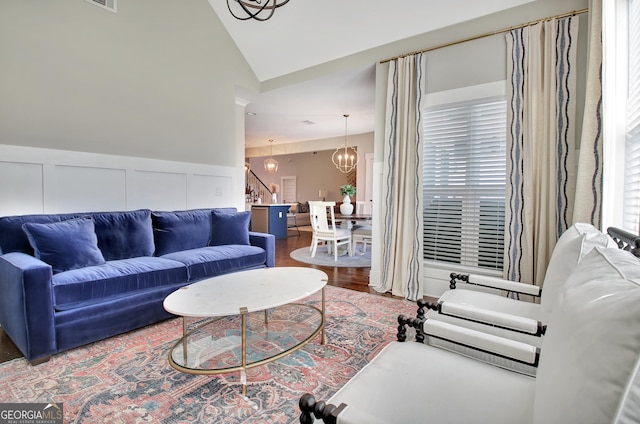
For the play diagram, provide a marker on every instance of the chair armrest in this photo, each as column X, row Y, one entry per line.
column 26, row 304
column 510, row 349
column 493, row 318
column 267, row 242
column 495, row 283
column 625, row 240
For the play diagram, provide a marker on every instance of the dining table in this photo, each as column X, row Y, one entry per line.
column 360, row 219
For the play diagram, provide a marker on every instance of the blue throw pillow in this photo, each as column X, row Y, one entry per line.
column 65, row 245
column 181, row 230
column 124, row 235
column 230, row 227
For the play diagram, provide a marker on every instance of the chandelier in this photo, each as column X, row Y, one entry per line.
column 260, row 10
column 271, row 165
column 345, row 158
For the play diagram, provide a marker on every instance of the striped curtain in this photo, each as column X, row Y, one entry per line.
column 588, row 197
column 541, row 94
column 401, row 206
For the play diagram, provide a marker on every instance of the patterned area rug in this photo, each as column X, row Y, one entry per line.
column 322, row 258
column 127, row 379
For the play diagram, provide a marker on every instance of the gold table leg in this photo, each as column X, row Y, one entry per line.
column 243, row 370
column 184, row 340
column 323, row 340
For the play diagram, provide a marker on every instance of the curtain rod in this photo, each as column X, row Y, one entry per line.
column 487, row 34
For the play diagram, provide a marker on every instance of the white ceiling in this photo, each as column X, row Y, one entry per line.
column 305, row 33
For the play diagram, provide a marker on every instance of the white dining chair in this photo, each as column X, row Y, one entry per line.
column 325, row 230
column 361, row 234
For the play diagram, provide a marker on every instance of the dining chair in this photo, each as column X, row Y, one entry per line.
column 361, row 234
column 360, row 207
column 325, row 230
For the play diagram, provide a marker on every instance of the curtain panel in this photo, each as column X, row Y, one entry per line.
column 588, row 197
column 401, row 208
column 541, row 93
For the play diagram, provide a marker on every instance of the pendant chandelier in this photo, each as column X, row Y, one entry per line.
column 271, row 165
column 345, row 158
column 260, row 10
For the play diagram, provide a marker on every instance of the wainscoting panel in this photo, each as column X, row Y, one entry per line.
column 37, row 180
column 161, row 191
column 21, row 189
column 207, row 191
column 79, row 189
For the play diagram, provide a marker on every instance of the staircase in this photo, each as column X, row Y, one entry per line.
column 255, row 189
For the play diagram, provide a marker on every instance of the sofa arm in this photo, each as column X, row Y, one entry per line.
column 26, row 304
column 267, row 242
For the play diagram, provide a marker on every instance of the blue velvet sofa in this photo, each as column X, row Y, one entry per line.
column 70, row 279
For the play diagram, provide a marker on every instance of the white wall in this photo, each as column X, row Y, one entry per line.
column 38, row 180
column 157, row 79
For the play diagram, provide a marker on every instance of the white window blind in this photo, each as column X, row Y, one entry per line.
column 464, row 182
column 631, row 209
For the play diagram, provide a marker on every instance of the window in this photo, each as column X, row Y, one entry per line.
column 621, row 110
column 631, row 209
column 464, row 178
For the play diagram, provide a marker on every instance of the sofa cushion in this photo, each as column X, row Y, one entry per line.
column 14, row 239
column 590, row 353
column 80, row 287
column 65, row 245
column 229, row 228
column 181, row 230
column 217, row 260
column 124, row 235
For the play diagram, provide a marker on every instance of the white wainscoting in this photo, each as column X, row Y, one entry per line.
column 34, row 180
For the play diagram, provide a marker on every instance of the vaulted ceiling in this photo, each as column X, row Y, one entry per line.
column 306, row 33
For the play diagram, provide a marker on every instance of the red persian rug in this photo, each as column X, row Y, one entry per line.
column 127, row 379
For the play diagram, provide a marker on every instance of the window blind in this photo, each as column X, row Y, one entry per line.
column 631, row 209
column 464, row 166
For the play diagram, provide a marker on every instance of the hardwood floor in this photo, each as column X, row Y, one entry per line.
column 350, row 278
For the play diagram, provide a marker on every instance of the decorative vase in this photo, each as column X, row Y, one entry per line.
column 346, row 208
column 274, row 198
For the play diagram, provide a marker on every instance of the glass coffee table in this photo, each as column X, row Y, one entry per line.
column 235, row 337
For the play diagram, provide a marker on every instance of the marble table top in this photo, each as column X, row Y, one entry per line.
column 256, row 290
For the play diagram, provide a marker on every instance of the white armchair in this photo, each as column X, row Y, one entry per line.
column 325, row 230
column 507, row 317
column 588, row 368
